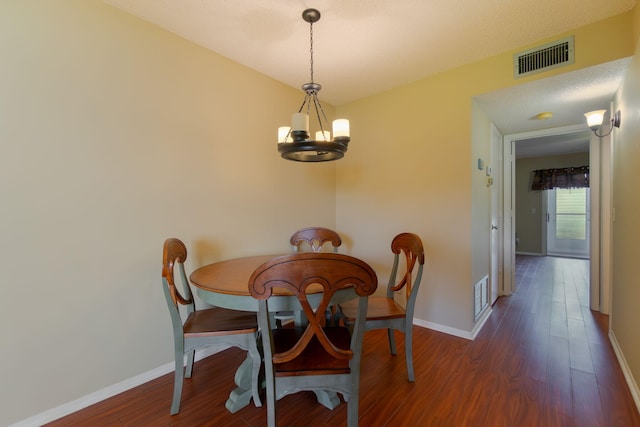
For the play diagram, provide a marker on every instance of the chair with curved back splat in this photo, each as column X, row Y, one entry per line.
column 385, row 312
column 315, row 238
column 317, row 357
column 311, row 239
column 213, row 326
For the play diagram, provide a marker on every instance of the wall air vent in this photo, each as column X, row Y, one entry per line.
column 544, row 58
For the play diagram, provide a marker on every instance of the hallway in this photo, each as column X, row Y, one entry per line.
column 570, row 340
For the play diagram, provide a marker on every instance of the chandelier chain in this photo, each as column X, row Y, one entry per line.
column 311, row 48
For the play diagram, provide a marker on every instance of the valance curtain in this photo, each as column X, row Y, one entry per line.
column 548, row 179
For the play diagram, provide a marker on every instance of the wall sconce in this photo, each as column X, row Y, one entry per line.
column 595, row 118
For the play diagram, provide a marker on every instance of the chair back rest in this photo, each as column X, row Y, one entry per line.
column 410, row 245
column 175, row 254
column 315, row 238
column 299, row 274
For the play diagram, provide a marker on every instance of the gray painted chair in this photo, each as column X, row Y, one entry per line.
column 201, row 328
column 317, row 358
column 311, row 239
column 385, row 312
column 314, row 239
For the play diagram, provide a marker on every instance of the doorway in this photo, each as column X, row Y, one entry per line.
column 600, row 201
column 514, row 110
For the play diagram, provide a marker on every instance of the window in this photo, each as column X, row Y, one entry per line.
column 571, row 213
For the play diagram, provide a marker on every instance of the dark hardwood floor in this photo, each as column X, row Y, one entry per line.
column 542, row 359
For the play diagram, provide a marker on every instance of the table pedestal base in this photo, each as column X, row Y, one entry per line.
column 241, row 395
column 328, row 399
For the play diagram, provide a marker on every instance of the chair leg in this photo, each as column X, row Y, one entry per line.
column 178, row 379
column 352, row 408
column 271, row 402
column 392, row 341
column 408, row 352
column 190, row 359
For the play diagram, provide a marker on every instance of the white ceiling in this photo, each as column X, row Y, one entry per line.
column 365, row 47
column 575, row 142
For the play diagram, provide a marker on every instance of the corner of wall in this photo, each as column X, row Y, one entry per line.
column 636, row 26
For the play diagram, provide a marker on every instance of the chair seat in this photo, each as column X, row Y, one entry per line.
column 220, row 321
column 314, row 360
column 378, row 308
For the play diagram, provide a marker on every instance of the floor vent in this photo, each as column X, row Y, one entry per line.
column 544, row 58
column 480, row 296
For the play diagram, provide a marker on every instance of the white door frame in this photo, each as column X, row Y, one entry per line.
column 598, row 257
column 508, row 218
column 496, row 271
column 602, row 163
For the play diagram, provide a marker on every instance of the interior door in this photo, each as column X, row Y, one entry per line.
column 568, row 222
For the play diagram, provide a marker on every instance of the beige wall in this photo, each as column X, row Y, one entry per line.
column 625, row 316
column 529, row 206
column 412, row 167
column 409, row 174
column 115, row 135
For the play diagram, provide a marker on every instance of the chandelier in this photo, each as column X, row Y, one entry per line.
column 294, row 142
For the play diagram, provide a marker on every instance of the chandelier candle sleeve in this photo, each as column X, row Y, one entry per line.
column 300, row 121
column 341, row 128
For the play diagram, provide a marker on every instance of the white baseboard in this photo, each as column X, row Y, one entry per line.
column 631, row 382
column 469, row 335
column 441, row 328
column 107, row 392
column 480, row 323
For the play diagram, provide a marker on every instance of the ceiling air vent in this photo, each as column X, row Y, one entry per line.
column 544, row 58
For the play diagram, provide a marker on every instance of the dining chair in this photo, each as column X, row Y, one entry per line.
column 304, row 240
column 317, row 357
column 384, row 312
column 212, row 326
column 314, row 238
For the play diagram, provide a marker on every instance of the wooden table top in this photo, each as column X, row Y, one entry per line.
column 226, row 284
column 229, row 277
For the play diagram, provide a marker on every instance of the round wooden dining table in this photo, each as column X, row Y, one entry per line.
column 226, row 284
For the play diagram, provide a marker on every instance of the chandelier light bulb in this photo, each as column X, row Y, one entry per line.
column 323, row 135
column 284, row 134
